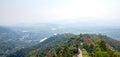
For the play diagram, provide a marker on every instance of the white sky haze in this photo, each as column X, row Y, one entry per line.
column 40, row 11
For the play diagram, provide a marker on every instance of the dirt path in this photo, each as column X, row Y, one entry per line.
column 80, row 53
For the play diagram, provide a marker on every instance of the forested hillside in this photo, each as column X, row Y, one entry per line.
column 67, row 45
column 10, row 40
column 7, row 40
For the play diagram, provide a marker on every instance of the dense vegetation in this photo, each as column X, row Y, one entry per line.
column 7, row 40
column 67, row 45
column 10, row 40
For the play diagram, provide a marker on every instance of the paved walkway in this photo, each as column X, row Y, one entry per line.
column 80, row 53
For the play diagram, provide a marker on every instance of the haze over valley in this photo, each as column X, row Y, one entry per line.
column 59, row 28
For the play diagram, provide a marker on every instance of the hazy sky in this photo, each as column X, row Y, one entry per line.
column 40, row 11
